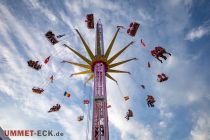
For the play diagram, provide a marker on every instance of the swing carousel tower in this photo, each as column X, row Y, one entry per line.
column 99, row 66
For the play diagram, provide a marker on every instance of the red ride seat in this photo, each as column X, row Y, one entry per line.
column 133, row 28
column 90, row 21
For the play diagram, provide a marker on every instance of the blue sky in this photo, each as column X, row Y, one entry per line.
column 182, row 103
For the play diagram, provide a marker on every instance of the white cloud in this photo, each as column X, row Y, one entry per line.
column 35, row 4
column 198, row 32
column 105, row 5
column 132, row 129
column 144, row 16
column 201, row 130
column 74, row 7
column 162, row 124
column 70, row 123
column 177, row 2
column 16, row 79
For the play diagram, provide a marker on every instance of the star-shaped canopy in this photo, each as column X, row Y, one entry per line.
column 90, row 62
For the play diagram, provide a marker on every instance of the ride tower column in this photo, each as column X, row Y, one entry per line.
column 100, row 129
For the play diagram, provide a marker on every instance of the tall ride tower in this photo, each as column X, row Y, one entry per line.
column 99, row 66
column 100, row 114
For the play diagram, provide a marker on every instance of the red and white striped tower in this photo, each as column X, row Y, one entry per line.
column 100, row 129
